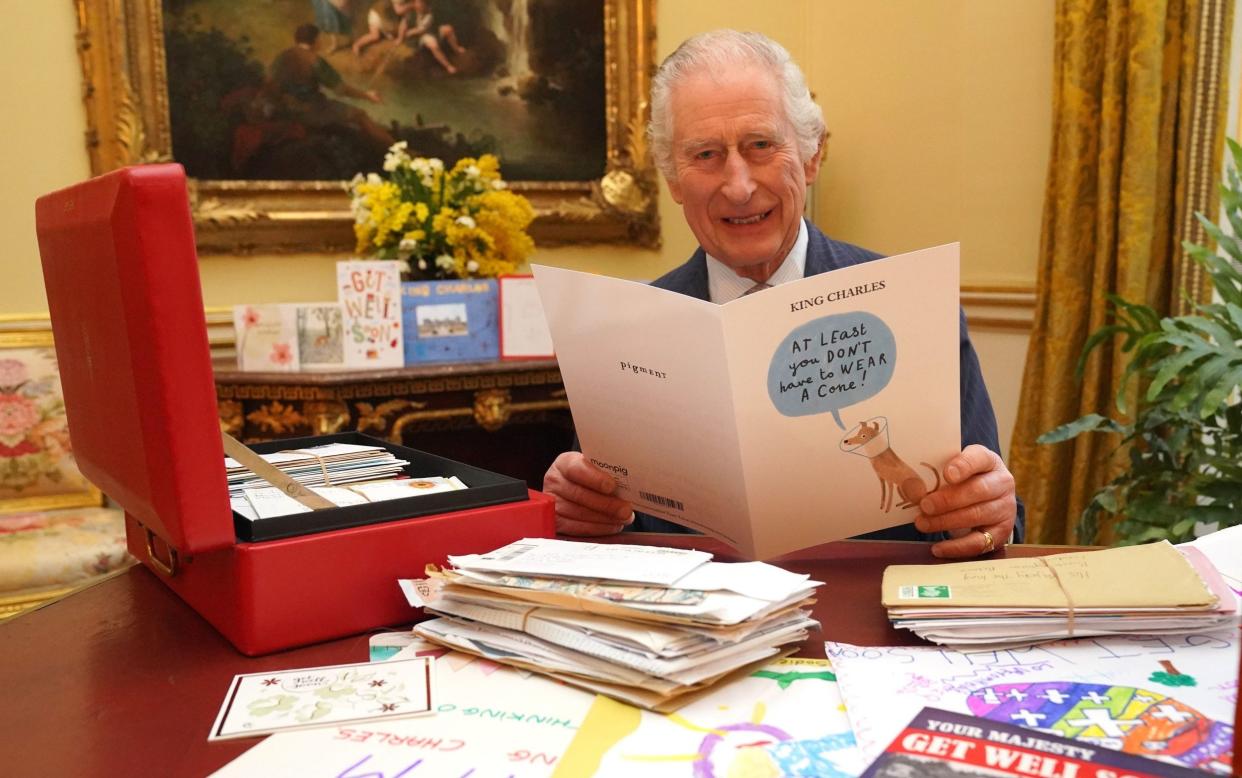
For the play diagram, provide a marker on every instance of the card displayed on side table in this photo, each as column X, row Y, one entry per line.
column 449, row 321
column 266, row 337
column 523, row 327
column 262, row 703
column 370, row 295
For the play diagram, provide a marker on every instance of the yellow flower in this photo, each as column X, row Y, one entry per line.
column 456, row 222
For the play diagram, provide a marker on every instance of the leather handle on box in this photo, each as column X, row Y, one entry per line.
column 272, row 474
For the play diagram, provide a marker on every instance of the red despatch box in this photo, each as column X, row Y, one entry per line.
column 123, row 289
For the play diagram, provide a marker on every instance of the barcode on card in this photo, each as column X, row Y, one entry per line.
column 508, row 552
column 667, row 502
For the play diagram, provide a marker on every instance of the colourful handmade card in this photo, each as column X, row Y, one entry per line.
column 1166, row 697
column 938, row 742
column 261, row 703
column 785, row 719
column 370, row 295
column 266, row 337
column 450, row 321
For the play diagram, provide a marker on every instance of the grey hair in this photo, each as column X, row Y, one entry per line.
column 710, row 51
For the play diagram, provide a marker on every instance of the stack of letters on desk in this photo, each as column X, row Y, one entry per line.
column 647, row 625
column 1154, row 589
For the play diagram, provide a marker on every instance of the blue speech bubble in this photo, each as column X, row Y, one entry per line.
column 831, row 362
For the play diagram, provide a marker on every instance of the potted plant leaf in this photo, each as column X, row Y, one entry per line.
column 1184, row 442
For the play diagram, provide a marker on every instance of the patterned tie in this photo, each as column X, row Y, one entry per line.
column 756, row 288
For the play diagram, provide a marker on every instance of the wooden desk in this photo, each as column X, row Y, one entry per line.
column 509, row 417
column 122, row 678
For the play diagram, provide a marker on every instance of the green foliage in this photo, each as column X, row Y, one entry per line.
column 1185, row 441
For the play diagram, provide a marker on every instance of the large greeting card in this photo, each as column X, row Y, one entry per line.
column 370, row 295
column 812, row 411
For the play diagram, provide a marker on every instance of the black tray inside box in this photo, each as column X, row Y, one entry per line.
column 485, row 488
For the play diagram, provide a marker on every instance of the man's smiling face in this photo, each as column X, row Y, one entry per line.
column 738, row 175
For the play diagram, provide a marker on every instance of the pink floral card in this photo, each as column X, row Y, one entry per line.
column 267, row 338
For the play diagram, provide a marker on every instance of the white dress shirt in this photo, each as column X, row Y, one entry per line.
column 723, row 285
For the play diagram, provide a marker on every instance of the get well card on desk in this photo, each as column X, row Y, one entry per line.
column 812, row 411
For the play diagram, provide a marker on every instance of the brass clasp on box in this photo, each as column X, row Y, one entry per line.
column 168, row 568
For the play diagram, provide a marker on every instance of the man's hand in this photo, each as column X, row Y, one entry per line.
column 976, row 505
column 584, row 501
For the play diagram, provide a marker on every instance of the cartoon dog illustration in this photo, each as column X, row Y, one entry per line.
column 893, row 472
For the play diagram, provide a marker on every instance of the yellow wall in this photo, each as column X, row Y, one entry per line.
column 43, row 144
column 939, row 113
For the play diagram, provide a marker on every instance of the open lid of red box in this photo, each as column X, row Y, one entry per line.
column 121, row 274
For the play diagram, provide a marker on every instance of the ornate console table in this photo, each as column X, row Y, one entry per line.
column 509, row 417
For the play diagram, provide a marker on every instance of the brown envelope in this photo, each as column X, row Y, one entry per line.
column 1148, row 576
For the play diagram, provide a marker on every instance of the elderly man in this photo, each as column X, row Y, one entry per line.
column 738, row 138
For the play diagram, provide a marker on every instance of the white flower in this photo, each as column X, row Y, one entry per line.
column 403, row 266
column 445, row 262
column 374, row 178
column 472, row 266
column 396, row 157
column 435, row 163
column 466, row 222
column 357, row 179
column 407, row 244
column 422, row 264
column 472, row 171
column 498, row 184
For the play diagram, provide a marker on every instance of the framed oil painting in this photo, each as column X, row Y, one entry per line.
column 271, row 105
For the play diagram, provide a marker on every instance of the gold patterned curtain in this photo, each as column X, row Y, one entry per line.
column 1138, row 116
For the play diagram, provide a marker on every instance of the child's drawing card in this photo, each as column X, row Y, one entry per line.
column 450, row 321
column 262, row 703
column 1169, row 697
column 266, row 338
column 370, row 295
column 785, row 719
column 321, row 336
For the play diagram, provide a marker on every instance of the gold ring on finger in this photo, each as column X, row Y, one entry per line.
column 989, row 544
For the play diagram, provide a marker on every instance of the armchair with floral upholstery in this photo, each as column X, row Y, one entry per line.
column 55, row 533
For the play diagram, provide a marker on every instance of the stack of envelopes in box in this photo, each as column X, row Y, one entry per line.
column 1154, row 589
column 334, row 463
column 647, row 625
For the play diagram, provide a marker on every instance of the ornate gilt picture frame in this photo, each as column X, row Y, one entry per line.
column 125, row 88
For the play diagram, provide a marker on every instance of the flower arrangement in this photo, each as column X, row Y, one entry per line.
column 461, row 222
